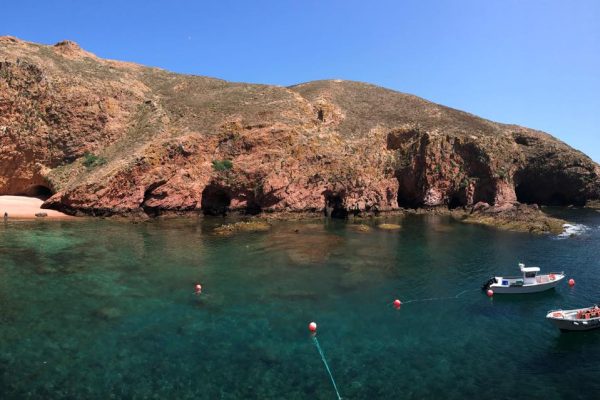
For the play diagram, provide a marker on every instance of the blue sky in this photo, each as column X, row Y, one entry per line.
column 535, row 63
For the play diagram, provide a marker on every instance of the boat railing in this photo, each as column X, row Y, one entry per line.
column 521, row 276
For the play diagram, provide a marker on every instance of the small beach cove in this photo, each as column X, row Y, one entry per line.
column 22, row 207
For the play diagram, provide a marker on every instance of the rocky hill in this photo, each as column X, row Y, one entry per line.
column 103, row 137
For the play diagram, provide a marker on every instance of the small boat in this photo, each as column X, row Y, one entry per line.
column 529, row 282
column 581, row 319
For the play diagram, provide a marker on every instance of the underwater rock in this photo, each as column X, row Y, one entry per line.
column 389, row 227
column 251, row 226
column 309, row 246
column 108, row 313
column 360, row 228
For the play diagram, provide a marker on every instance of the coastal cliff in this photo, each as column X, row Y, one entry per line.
column 102, row 137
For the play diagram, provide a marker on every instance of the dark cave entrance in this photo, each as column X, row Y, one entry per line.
column 528, row 196
column 253, row 208
column 523, row 195
column 321, row 115
column 485, row 191
column 558, row 199
column 334, row 206
column 455, row 201
column 150, row 195
column 543, row 191
column 40, row 191
column 406, row 202
column 215, row 200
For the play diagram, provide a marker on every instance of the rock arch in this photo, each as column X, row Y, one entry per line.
column 40, row 191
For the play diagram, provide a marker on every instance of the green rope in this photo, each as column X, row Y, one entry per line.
column 327, row 367
column 440, row 298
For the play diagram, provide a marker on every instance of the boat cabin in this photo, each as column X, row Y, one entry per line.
column 529, row 274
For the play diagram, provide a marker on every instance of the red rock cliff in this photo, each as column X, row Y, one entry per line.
column 105, row 137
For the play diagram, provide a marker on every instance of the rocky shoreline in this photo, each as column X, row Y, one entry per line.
column 519, row 218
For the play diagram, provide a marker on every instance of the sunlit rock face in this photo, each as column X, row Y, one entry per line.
column 103, row 137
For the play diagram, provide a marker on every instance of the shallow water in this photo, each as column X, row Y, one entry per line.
column 105, row 309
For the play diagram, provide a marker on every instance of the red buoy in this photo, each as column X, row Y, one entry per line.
column 490, row 293
column 312, row 327
column 198, row 288
column 397, row 304
column 571, row 282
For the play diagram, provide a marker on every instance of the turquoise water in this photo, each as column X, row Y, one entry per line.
column 101, row 309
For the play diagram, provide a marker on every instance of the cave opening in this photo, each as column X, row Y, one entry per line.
column 334, row 206
column 321, row 115
column 485, row 191
column 547, row 190
column 558, row 199
column 524, row 195
column 253, row 208
column 40, row 191
column 406, row 201
column 455, row 201
column 215, row 200
column 149, row 195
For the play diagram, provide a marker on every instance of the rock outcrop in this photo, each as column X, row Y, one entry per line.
column 103, row 137
column 519, row 218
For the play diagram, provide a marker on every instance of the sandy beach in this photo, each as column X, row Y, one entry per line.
column 21, row 207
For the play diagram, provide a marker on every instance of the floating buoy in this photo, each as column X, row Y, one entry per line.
column 312, row 327
column 397, row 304
column 198, row 288
column 571, row 282
column 490, row 293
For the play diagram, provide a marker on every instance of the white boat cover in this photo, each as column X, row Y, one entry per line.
column 530, row 269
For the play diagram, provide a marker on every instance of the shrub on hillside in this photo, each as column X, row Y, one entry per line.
column 222, row 165
column 91, row 160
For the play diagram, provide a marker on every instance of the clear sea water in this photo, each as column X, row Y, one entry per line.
column 100, row 309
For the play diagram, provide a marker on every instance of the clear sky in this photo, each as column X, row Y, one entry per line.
column 535, row 63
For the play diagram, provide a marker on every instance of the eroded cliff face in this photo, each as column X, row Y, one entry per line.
column 55, row 104
column 104, row 137
column 437, row 169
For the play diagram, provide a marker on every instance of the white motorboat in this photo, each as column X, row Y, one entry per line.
column 529, row 282
column 581, row 319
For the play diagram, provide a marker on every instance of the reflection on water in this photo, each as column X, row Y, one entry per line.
column 100, row 309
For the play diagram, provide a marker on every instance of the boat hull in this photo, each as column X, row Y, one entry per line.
column 566, row 323
column 535, row 288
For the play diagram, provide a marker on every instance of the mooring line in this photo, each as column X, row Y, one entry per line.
column 440, row 298
column 316, row 341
